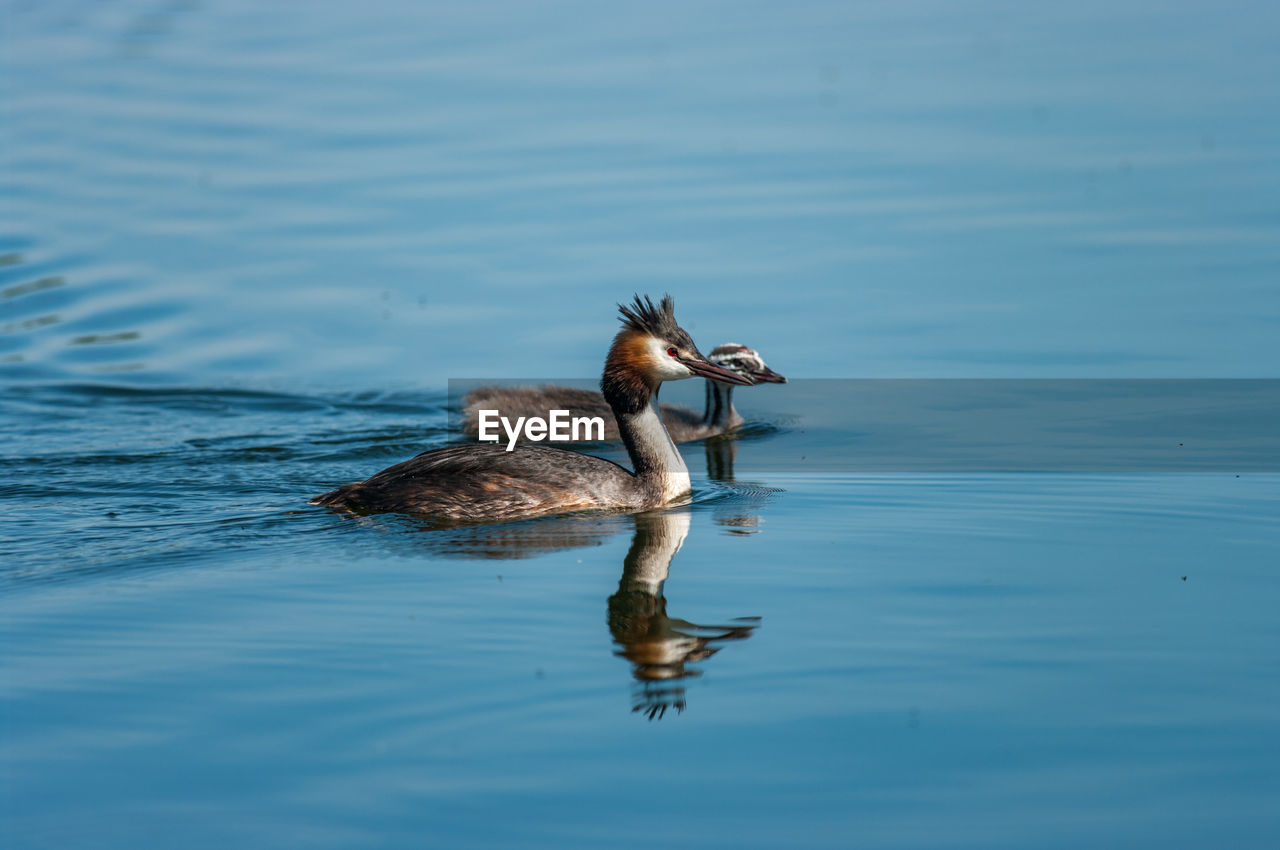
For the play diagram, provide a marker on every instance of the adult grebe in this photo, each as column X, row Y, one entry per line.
column 486, row 482
column 682, row 423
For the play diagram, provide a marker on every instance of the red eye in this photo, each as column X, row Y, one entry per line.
column 671, row 352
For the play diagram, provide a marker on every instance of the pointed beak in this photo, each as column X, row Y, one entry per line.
column 704, row 369
column 766, row 375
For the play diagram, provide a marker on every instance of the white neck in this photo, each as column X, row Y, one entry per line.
column 652, row 451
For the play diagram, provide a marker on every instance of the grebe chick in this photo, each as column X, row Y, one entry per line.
column 682, row 423
column 719, row 414
column 484, row 481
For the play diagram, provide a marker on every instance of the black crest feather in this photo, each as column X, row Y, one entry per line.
column 625, row 388
column 641, row 315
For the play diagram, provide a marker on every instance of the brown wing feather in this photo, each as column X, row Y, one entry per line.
column 485, row 482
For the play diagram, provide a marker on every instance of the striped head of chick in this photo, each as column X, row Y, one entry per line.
column 746, row 362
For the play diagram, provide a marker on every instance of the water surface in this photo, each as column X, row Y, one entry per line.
column 244, row 248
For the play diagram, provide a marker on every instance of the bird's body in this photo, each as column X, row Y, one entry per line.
column 485, row 482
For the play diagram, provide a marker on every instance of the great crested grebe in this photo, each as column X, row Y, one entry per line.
column 682, row 423
column 484, row 481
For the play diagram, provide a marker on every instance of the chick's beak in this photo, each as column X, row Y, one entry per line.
column 765, row 375
column 705, row 369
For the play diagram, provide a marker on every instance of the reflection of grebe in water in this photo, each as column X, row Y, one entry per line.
column 484, row 481
column 683, row 424
column 661, row 648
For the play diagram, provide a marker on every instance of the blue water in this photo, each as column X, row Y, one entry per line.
column 244, row 248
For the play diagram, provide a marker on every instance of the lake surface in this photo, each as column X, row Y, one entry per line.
column 246, row 251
